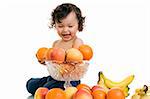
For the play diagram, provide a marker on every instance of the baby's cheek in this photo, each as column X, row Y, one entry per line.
column 73, row 34
column 59, row 33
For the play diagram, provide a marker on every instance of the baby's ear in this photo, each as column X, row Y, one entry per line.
column 54, row 25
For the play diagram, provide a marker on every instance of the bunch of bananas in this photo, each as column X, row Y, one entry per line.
column 142, row 93
column 107, row 84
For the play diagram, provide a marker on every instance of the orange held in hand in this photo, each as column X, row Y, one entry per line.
column 86, row 51
column 74, row 55
column 56, row 93
column 41, row 54
column 115, row 93
column 58, row 55
column 48, row 55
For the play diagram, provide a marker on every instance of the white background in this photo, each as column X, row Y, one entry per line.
column 117, row 30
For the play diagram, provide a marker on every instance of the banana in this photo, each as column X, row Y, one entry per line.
column 101, row 83
column 136, row 96
column 108, row 84
column 126, row 91
column 145, row 97
column 142, row 93
column 122, row 84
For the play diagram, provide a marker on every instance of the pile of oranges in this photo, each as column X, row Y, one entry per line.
column 82, row 91
column 59, row 55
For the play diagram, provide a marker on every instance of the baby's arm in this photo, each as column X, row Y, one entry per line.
column 78, row 42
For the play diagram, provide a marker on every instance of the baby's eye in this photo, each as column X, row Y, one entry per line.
column 70, row 26
column 60, row 26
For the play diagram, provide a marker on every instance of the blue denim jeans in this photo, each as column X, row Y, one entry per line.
column 34, row 83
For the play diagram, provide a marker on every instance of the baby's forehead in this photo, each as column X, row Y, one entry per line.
column 71, row 18
column 67, row 23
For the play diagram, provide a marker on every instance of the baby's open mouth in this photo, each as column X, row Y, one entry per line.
column 65, row 35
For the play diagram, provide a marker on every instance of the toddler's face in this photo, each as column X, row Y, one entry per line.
column 68, row 27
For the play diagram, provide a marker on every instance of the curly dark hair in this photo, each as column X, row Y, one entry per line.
column 61, row 11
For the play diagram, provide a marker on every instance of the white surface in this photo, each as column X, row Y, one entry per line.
column 118, row 31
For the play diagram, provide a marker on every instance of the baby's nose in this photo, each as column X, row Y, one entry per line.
column 65, row 29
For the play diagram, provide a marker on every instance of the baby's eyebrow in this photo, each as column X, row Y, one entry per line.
column 59, row 23
column 66, row 24
column 71, row 23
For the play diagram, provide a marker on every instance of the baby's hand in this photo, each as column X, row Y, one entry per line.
column 42, row 62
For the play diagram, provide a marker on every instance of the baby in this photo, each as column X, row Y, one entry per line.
column 67, row 19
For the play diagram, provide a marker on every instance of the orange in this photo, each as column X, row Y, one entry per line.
column 115, row 93
column 86, row 51
column 48, row 55
column 99, row 94
column 82, row 94
column 74, row 55
column 85, row 86
column 41, row 54
column 58, row 55
column 56, row 93
column 41, row 93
